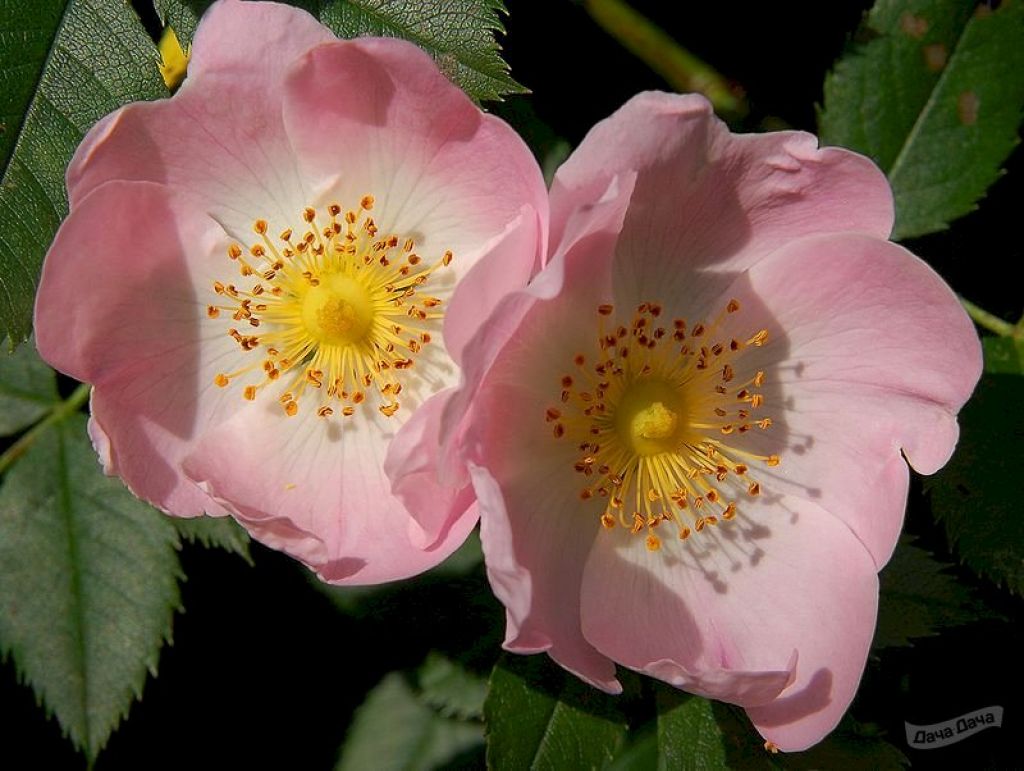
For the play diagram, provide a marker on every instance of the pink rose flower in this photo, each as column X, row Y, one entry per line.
column 257, row 277
column 688, row 436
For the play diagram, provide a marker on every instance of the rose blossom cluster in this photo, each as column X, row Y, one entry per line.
column 319, row 291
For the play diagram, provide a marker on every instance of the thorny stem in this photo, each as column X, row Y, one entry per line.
column 681, row 69
column 59, row 412
column 991, row 322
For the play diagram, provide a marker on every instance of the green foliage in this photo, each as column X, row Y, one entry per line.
column 1003, row 355
column 919, row 598
column 697, row 734
column 974, row 496
column 214, row 532
column 935, row 98
column 452, row 689
column 394, row 730
column 459, row 34
column 88, row 587
column 689, row 736
column 28, row 389
column 84, row 59
column 539, row 717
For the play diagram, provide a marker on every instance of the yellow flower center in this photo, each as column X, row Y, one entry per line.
column 650, row 412
column 341, row 309
column 647, row 417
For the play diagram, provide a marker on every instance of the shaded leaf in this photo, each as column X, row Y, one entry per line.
column 88, row 584
column 640, row 752
column 459, row 34
column 28, row 389
column 695, row 733
column 973, row 496
column 935, row 99
column 539, row 717
column 84, row 58
column 452, row 689
column 850, row 745
column 1003, row 355
column 918, row 598
column 688, row 733
column 214, row 532
column 394, row 729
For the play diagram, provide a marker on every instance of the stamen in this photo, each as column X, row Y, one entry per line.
column 327, row 304
column 660, row 427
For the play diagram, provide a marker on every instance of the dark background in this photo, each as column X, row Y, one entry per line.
column 265, row 669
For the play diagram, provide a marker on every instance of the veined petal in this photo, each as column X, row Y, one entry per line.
column 238, row 163
column 375, row 115
column 855, row 389
column 710, row 201
column 724, row 615
column 117, row 307
column 317, row 490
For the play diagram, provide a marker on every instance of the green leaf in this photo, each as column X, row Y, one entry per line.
column 639, row 753
column 452, row 689
column 935, row 99
column 695, row 733
column 214, row 532
column 88, row 584
column 28, row 389
column 919, row 598
column 394, row 729
column 974, row 496
column 459, row 34
column 1003, row 355
column 688, row 733
column 850, row 745
column 81, row 60
column 539, row 717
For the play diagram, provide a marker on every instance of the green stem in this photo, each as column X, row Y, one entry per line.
column 681, row 69
column 59, row 412
column 990, row 321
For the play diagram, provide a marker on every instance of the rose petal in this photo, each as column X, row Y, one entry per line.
column 316, row 489
column 847, row 390
column 239, row 161
column 425, row 151
column 722, row 614
column 712, row 201
column 117, row 308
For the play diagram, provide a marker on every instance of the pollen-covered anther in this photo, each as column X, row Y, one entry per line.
column 327, row 310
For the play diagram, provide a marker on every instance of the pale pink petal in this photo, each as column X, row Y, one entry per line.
column 870, row 357
column 316, row 489
column 707, row 200
column 585, row 252
column 723, row 613
column 375, row 116
column 588, row 246
column 252, row 40
column 502, row 269
column 534, row 561
column 118, row 307
column 221, row 137
column 534, row 529
column 412, row 463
